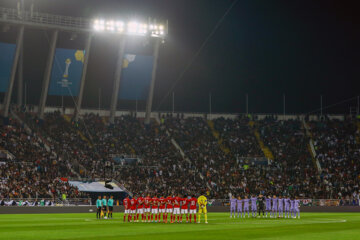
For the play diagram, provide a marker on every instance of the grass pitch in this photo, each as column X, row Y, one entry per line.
column 86, row 226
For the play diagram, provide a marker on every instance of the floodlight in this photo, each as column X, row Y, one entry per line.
column 130, row 28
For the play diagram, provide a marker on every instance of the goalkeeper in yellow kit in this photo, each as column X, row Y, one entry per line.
column 202, row 202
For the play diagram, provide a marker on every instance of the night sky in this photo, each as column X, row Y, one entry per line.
column 263, row 48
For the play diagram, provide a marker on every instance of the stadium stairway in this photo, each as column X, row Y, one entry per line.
column 30, row 131
column 41, row 139
column 82, row 136
column 216, row 135
column 357, row 136
column 181, row 151
column 267, row 152
column 311, row 146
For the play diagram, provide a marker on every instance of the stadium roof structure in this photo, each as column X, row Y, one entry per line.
column 22, row 18
column 150, row 28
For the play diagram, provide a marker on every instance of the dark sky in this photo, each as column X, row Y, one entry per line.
column 302, row 49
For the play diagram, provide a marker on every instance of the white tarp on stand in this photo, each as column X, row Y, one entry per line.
column 95, row 186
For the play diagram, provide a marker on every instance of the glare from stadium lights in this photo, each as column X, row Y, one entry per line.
column 99, row 25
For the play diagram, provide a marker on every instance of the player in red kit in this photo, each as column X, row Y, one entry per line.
column 184, row 208
column 169, row 209
column 193, row 202
column 133, row 203
column 126, row 203
column 162, row 206
column 147, row 202
column 140, row 209
column 176, row 212
column 154, row 209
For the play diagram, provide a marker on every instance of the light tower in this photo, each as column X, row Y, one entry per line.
column 150, row 29
column 22, row 18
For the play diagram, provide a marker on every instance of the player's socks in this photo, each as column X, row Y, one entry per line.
column 199, row 217
column 206, row 218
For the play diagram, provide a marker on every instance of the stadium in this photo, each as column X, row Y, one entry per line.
column 159, row 119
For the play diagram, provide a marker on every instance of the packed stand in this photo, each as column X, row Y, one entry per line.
column 35, row 170
column 338, row 153
column 160, row 168
column 238, row 136
column 288, row 142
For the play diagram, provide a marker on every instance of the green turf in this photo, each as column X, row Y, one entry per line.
column 85, row 226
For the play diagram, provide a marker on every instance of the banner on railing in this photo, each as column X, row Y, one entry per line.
column 136, row 77
column 7, row 52
column 66, row 72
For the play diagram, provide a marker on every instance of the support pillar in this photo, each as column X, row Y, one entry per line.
column 47, row 74
column 20, row 89
column 83, row 77
column 19, row 43
column 152, row 84
column 114, row 98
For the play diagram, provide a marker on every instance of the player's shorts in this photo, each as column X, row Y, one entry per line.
column 140, row 211
column 99, row 209
column 132, row 211
column 192, row 211
column 147, row 210
column 154, row 211
column 162, row 210
column 127, row 211
column 104, row 209
column 184, row 211
column 176, row 211
column 202, row 210
column 111, row 208
column 169, row 210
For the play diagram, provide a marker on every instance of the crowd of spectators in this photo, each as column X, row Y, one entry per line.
column 33, row 180
column 220, row 157
column 33, row 171
column 160, row 168
column 238, row 136
column 338, row 153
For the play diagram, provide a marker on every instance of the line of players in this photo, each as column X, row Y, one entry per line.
column 151, row 209
column 276, row 206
